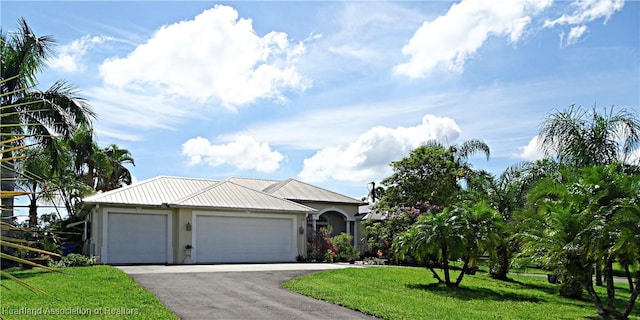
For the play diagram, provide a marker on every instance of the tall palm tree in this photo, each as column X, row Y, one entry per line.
column 34, row 172
column 507, row 194
column 117, row 174
column 38, row 115
column 462, row 152
column 582, row 137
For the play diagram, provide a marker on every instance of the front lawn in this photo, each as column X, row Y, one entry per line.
column 97, row 292
column 412, row 293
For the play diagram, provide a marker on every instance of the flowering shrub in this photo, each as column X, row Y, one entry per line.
column 330, row 255
column 345, row 250
column 319, row 247
column 379, row 235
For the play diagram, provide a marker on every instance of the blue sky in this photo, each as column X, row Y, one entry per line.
column 331, row 92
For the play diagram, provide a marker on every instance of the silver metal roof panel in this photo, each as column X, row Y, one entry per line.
column 227, row 194
column 293, row 189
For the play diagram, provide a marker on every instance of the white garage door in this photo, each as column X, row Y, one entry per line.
column 137, row 238
column 244, row 239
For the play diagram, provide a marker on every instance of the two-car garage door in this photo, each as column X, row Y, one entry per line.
column 254, row 238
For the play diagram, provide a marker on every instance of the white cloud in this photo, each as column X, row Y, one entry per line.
column 585, row 11
column 451, row 39
column 532, row 151
column 575, row 33
column 69, row 57
column 244, row 152
column 214, row 56
column 370, row 154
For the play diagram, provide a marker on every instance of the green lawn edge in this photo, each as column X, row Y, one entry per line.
column 96, row 292
column 412, row 293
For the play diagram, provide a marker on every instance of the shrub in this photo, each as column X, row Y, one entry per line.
column 76, row 260
column 346, row 251
column 319, row 247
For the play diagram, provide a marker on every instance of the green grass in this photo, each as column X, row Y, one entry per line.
column 412, row 293
column 97, row 292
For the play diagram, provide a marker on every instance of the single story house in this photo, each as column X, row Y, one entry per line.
column 174, row 220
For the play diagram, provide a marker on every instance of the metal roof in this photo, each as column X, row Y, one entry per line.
column 236, row 193
column 367, row 212
column 228, row 194
column 155, row 191
column 297, row 190
column 255, row 184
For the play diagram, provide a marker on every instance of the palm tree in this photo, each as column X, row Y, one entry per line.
column 581, row 137
column 462, row 152
column 579, row 218
column 430, row 240
column 102, row 169
column 34, row 172
column 469, row 148
column 507, row 194
column 459, row 232
column 116, row 174
column 38, row 115
column 8, row 242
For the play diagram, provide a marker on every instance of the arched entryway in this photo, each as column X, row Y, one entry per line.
column 338, row 220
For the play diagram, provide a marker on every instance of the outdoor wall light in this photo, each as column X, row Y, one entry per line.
column 301, row 230
column 188, row 226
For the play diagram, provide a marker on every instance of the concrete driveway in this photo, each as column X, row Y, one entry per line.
column 247, row 291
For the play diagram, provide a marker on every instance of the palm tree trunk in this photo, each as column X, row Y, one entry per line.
column 588, row 285
column 629, row 277
column 611, row 290
column 462, row 272
column 445, row 266
column 500, row 268
column 33, row 207
column 435, row 275
column 633, row 298
column 598, row 267
column 8, row 183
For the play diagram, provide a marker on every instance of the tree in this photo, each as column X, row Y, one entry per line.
column 86, row 168
column 462, row 152
column 507, row 194
column 581, row 137
column 116, row 174
column 584, row 216
column 38, row 115
column 459, row 232
column 34, row 171
column 9, row 243
column 430, row 173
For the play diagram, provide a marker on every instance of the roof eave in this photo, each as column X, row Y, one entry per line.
column 326, row 201
column 310, row 210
